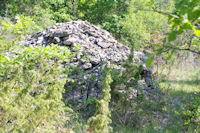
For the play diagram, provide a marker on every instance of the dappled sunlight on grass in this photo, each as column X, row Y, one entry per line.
column 181, row 87
column 187, row 80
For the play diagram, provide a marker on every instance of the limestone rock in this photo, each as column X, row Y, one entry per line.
column 97, row 45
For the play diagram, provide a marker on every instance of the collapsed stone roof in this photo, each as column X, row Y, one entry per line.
column 97, row 43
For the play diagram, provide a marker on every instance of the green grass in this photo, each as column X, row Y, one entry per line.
column 179, row 86
column 186, row 80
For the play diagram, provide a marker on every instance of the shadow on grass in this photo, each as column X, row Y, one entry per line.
column 164, row 114
column 178, row 103
column 186, row 82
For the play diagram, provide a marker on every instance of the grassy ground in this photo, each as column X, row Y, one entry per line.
column 180, row 79
column 180, row 86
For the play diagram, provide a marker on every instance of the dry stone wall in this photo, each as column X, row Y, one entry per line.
column 97, row 45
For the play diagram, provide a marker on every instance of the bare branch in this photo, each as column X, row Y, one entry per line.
column 186, row 49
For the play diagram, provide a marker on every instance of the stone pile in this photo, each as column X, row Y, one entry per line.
column 96, row 43
column 97, row 46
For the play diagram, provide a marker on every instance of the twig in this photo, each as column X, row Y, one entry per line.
column 186, row 49
column 86, row 72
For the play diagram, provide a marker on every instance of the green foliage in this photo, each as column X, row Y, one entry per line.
column 52, row 10
column 31, row 83
column 43, row 17
column 100, row 122
column 191, row 114
column 31, row 87
column 187, row 17
column 11, row 33
column 184, row 19
column 130, row 26
column 180, row 81
column 150, row 61
column 122, row 101
column 93, row 13
column 23, row 26
column 109, row 16
column 114, row 25
column 140, row 24
column 59, row 11
column 4, row 44
column 183, row 22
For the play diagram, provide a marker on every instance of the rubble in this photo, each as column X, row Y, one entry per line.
column 97, row 46
column 97, row 43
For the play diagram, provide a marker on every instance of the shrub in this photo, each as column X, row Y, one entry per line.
column 31, row 87
column 100, row 122
column 11, row 34
column 123, row 101
column 191, row 114
column 24, row 25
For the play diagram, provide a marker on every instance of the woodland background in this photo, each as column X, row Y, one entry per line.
column 166, row 30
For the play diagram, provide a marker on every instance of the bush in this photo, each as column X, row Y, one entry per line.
column 123, row 99
column 31, row 87
column 100, row 122
column 191, row 114
column 23, row 26
column 12, row 33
